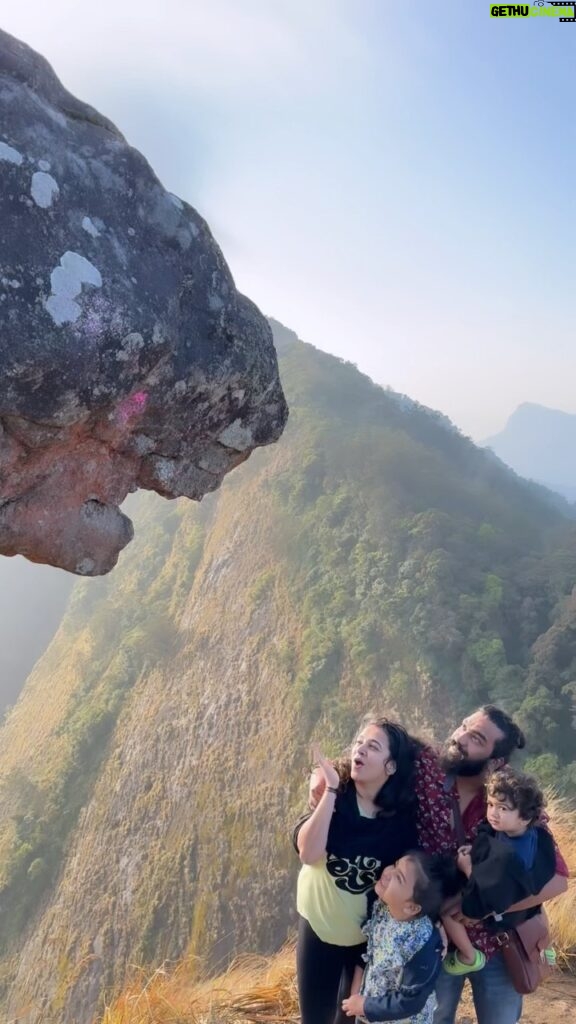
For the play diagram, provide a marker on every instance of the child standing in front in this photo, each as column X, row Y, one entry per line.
column 404, row 951
column 511, row 858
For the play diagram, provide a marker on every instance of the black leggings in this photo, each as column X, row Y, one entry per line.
column 324, row 976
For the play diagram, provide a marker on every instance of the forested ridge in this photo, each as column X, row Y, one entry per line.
column 373, row 558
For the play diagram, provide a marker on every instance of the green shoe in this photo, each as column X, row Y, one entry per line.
column 454, row 965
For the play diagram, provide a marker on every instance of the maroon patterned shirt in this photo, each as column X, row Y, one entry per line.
column 435, row 827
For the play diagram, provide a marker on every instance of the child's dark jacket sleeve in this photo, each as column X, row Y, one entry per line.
column 416, row 985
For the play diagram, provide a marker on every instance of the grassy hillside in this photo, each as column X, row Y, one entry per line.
column 149, row 773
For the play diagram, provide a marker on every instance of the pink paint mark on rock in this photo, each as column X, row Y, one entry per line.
column 131, row 407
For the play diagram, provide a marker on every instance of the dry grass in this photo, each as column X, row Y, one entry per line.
column 253, row 989
column 260, row 990
column 562, row 911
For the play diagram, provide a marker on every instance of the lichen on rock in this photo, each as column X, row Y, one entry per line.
column 127, row 357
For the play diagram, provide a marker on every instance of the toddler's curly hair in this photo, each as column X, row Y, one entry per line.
column 520, row 790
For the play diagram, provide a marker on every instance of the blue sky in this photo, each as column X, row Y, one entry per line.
column 389, row 179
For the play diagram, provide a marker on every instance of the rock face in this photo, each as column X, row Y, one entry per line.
column 127, row 357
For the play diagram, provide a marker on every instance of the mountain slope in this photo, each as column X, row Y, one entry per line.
column 540, row 444
column 150, row 771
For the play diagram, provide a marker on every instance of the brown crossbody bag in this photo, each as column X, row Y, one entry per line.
column 523, row 952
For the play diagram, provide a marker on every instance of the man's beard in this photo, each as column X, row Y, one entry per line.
column 453, row 762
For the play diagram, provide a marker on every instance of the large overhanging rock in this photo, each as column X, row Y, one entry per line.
column 127, row 357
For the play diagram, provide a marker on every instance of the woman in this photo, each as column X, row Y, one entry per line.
column 357, row 828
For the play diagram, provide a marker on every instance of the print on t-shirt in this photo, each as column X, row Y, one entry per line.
column 357, row 875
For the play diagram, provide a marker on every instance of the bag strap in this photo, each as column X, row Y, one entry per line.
column 452, row 792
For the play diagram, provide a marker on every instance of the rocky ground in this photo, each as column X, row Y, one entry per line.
column 553, row 1003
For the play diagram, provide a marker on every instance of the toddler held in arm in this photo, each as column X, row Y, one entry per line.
column 512, row 857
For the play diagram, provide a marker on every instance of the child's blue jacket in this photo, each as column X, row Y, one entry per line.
column 416, row 985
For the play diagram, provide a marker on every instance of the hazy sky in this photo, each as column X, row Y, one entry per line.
column 391, row 179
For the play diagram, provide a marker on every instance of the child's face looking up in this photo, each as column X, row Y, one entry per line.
column 395, row 888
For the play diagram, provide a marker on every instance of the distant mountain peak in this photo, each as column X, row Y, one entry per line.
column 540, row 443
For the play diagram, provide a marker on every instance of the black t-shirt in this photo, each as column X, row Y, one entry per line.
column 385, row 838
column 357, row 850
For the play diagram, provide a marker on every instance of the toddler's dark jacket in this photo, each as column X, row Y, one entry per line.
column 499, row 878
